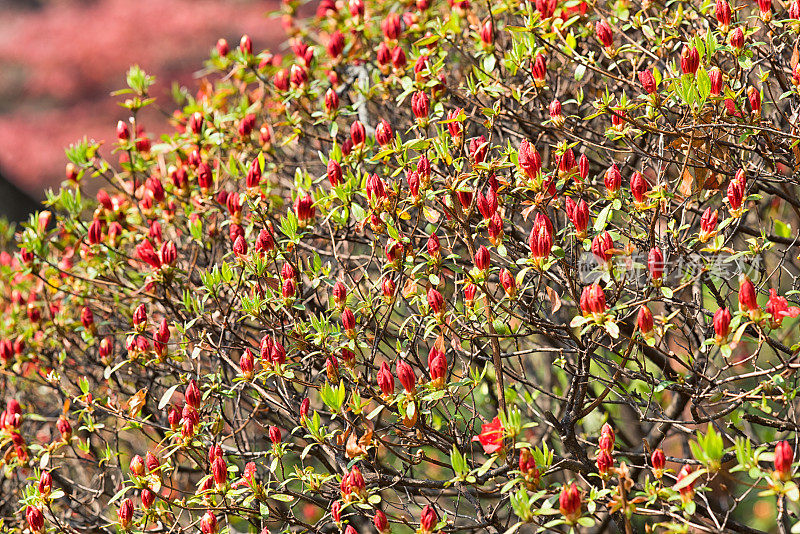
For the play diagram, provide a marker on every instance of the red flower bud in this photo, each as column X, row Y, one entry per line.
column 331, row 100
column 168, row 253
column 722, row 11
column 428, row 520
column 304, row 208
column 604, row 35
column 174, row 418
column 648, row 81
column 192, row 395
column 747, row 297
column 35, row 519
column 658, row 461
column 601, row 247
column 357, row 133
column 690, row 60
column 539, row 70
column 388, row 288
column 208, row 523
column 486, row 32
column 105, row 199
column 569, row 503
column 151, row 462
column 125, row 513
column 304, row 407
column 140, row 317
column 275, row 435
column 644, row 320
column 435, row 300
column 482, row 258
column 639, row 187
column 87, row 318
column 420, row 106
column 469, row 293
column 123, row 134
column 45, row 483
column 765, row 6
column 613, row 179
column 399, row 60
column 385, row 379
column 137, row 466
column 604, row 462
column 655, row 263
column 348, row 321
column 715, row 75
column 754, row 99
column 95, row 233
column 437, row 365
column 383, row 133
column 246, row 363
column 405, row 374
column 508, row 282
column 555, row 112
column 148, row 498
column 736, row 39
column 593, row 300
column 433, row 246
column 529, row 160
column 381, row 523
column 246, row 45
column 391, row 26
column 335, row 44
column 540, row 240
column 219, row 470
column 722, row 324
column 708, row 223
column 784, row 456
column 578, row 214
column 687, row 492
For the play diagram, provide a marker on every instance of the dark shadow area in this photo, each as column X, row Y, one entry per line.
column 15, row 204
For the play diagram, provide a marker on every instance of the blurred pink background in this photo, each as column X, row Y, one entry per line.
column 60, row 59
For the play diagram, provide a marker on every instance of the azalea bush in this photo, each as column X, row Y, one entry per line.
column 466, row 267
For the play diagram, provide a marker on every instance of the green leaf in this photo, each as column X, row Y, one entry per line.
column 600, row 222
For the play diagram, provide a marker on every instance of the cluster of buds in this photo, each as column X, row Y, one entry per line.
column 304, row 209
column 593, row 301
column 708, row 224
column 528, row 469
column 605, row 450
column 11, row 418
column 603, row 248
column 735, row 193
column 578, row 215
column 125, row 514
column 272, row 353
column 778, row 308
column 352, row 486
